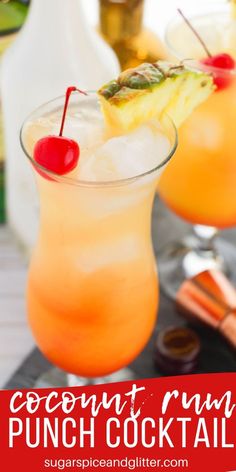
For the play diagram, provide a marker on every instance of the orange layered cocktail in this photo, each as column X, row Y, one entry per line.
column 199, row 185
column 93, row 289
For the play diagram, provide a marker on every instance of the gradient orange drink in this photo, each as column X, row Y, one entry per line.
column 92, row 290
column 199, row 185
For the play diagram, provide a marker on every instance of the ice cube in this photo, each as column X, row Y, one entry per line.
column 125, row 156
column 86, row 127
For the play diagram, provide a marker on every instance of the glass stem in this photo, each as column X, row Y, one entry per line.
column 205, row 236
column 203, row 254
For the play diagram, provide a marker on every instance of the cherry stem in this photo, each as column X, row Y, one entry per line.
column 195, row 32
column 68, row 94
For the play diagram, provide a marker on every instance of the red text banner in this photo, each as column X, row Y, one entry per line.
column 178, row 423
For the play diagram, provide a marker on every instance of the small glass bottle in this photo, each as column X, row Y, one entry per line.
column 121, row 24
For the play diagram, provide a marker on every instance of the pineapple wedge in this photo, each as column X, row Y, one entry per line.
column 150, row 90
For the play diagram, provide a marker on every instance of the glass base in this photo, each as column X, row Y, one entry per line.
column 58, row 378
column 183, row 259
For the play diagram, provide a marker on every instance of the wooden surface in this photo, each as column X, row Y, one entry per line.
column 16, row 341
column 15, row 338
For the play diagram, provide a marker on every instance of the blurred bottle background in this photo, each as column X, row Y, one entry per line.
column 12, row 16
column 121, row 24
column 55, row 48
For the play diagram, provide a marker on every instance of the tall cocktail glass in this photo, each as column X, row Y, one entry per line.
column 92, row 292
column 199, row 185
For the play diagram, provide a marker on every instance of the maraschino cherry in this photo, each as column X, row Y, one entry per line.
column 218, row 61
column 58, row 154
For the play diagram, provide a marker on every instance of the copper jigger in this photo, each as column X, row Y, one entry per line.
column 210, row 298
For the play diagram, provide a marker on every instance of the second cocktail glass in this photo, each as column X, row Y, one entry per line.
column 92, row 289
column 199, row 185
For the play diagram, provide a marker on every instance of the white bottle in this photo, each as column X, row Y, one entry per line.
column 56, row 48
